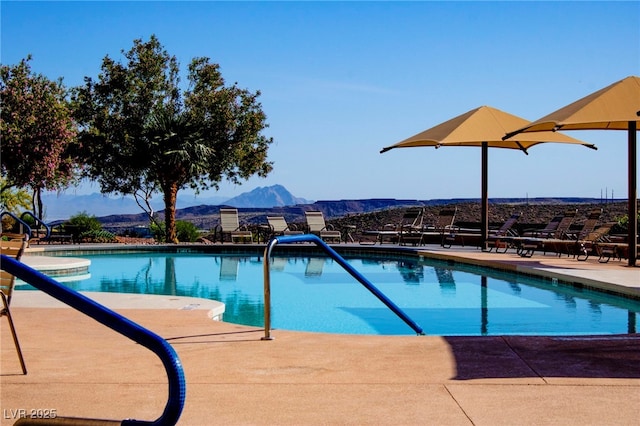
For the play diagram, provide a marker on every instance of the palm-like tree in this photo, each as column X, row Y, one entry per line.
column 177, row 155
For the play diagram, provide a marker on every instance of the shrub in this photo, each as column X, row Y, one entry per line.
column 157, row 231
column 186, row 231
column 622, row 227
column 98, row 236
column 83, row 222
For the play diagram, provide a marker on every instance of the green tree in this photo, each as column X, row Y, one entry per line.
column 143, row 134
column 38, row 133
column 14, row 200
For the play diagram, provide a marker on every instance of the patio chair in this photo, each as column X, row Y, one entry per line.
column 566, row 244
column 548, row 229
column 597, row 241
column 279, row 226
column 533, row 240
column 13, row 248
column 316, row 225
column 443, row 227
column 388, row 233
column 588, row 226
column 500, row 238
column 408, row 229
column 230, row 225
column 607, row 249
column 556, row 228
column 600, row 243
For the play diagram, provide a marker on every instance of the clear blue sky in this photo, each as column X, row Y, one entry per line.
column 341, row 80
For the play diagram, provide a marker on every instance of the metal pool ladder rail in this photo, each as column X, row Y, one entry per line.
column 310, row 238
column 120, row 324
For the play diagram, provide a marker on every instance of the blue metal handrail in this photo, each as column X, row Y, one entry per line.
column 120, row 324
column 38, row 223
column 341, row 261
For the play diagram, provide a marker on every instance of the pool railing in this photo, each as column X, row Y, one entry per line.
column 311, row 238
column 28, row 216
column 159, row 346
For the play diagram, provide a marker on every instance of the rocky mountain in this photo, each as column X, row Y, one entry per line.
column 265, row 197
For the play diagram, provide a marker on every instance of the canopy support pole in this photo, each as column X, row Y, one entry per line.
column 484, row 213
column 633, row 196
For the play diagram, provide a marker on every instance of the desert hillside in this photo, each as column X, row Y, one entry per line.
column 468, row 214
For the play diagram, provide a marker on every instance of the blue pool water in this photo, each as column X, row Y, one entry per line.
column 315, row 294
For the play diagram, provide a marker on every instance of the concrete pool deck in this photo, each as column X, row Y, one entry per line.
column 81, row 369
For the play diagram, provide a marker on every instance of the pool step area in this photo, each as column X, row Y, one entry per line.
column 72, row 269
column 118, row 301
column 58, row 267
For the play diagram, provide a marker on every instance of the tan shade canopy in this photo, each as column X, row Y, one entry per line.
column 616, row 107
column 483, row 124
column 483, row 127
column 610, row 108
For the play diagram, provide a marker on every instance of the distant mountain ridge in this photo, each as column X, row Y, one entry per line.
column 63, row 206
column 254, row 205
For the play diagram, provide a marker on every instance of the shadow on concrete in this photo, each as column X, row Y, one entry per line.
column 554, row 356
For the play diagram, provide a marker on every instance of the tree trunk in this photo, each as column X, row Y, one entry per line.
column 36, row 203
column 170, row 197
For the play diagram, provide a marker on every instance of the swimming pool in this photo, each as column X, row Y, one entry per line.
column 313, row 293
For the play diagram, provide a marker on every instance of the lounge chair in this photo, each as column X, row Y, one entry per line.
column 596, row 241
column 561, row 228
column 279, row 226
column 411, row 226
column 500, row 238
column 549, row 229
column 316, row 225
column 230, row 225
column 443, row 227
column 533, row 240
column 408, row 230
column 588, row 226
column 496, row 238
column 566, row 244
column 388, row 233
column 606, row 247
column 13, row 248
